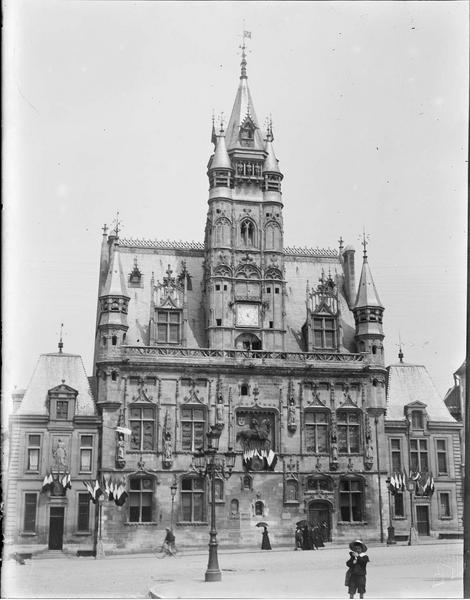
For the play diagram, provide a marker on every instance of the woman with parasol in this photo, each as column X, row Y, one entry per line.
column 265, row 543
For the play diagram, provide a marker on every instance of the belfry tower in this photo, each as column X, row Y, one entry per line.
column 244, row 261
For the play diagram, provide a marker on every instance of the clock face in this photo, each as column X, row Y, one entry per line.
column 247, row 315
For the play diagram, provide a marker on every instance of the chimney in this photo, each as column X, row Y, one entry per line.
column 349, row 276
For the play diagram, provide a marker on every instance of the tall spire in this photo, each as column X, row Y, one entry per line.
column 243, row 74
column 367, row 293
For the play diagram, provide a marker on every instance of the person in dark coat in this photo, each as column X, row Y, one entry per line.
column 306, row 544
column 299, row 539
column 317, row 538
column 357, row 564
column 265, row 544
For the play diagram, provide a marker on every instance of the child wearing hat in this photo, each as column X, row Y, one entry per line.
column 357, row 564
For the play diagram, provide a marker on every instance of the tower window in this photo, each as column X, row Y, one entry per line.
column 271, row 324
column 114, row 375
column 104, row 341
column 225, row 288
column 276, row 290
column 218, row 322
column 217, row 287
column 247, row 231
column 114, row 340
column 244, row 390
column 268, row 290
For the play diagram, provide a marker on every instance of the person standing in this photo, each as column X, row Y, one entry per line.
column 265, row 544
column 357, row 563
column 299, row 538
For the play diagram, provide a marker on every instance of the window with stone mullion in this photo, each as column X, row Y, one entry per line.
column 193, row 425
column 348, row 432
column 419, row 455
column 140, row 500
column 316, row 431
column 142, row 425
column 351, row 499
column 324, row 332
column 193, row 499
column 168, row 326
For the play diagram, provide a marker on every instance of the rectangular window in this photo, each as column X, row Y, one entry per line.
column 348, row 432
column 441, row 448
column 142, row 425
column 395, row 446
column 168, row 327
column 62, row 410
column 30, row 506
column 86, row 452
column 83, row 515
column 218, row 322
column 276, row 290
column 419, row 455
column 316, row 431
column 192, row 499
column 140, row 500
column 351, row 500
column 34, row 448
column 398, row 505
column 268, row 290
column 271, row 324
column 192, row 428
column 444, row 505
column 324, row 332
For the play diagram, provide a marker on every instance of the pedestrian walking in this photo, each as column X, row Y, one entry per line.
column 265, row 544
column 307, row 538
column 299, row 539
column 317, row 537
column 357, row 569
column 168, row 546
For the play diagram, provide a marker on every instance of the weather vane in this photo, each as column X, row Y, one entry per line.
column 61, row 343
column 364, row 241
column 117, row 224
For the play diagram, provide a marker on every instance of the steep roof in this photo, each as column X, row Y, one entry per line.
column 51, row 370
column 412, row 383
column 115, row 282
column 366, row 293
column 221, row 158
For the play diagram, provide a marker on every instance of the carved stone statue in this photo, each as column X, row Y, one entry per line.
column 369, row 456
column 60, row 454
column 120, row 451
column 220, row 409
column 291, row 420
column 167, row 450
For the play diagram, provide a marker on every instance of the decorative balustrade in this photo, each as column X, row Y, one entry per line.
column 178, row 352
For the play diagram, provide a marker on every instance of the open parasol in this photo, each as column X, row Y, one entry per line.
column 302, row 523
column 261, row 524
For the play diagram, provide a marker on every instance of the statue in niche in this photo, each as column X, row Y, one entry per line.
column 248, row 168
column 291, row 421
column 220, row 409
column 120, row 451
column 369, row 457
column 258, row 170
column 167, row 447
column 240, row 168
column 334, row 447
column 60, row 454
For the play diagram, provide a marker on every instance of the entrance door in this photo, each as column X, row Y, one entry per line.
column 319, row 514
column 422, row 519
column 56, row 528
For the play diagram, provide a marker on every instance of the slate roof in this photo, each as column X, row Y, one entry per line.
column 242, row 107
column 50, row 371
column 367, row 293
column 412, row 383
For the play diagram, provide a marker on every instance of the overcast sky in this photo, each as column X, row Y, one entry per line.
column 108, row 107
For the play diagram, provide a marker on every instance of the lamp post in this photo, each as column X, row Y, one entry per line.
column 173, row 490
column 99, row 544
column 413, row 535
column 390, row 528
column 208, row 464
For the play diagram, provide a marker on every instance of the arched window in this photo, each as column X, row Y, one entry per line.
column 222, row 232
column 272, row 236
column 114, row 340
column 348, row 431
column 114, row 375
column 248, row 341
column 142, row 425
column 259, row 508
column 244, row 390
column 104, row 341
column 141, row 490
column 292, row 490
column 193, row 499
column 234, row 508
column 247, row 482
column 247, row 232
column 351, row 499
column 316, row 431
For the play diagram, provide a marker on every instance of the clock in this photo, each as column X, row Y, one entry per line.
column 247, row 315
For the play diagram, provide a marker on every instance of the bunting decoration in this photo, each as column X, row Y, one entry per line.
column 397, row 483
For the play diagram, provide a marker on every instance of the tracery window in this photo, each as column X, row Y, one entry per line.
column 316, row 431
column 142, row 425
column 168, row 326
column 324, row 332
column 348, row 431
column 351, row 493
column 247, row 232
column 193, row 423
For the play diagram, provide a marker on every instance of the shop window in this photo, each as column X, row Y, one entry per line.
column 348, row 431
column 324, row 332
column 193, row 499
column 168, row 326
column 33, row 452
column 441, row 450
column 86, row 453
column 193, row 425
column 316, row 431
column 395, row 448
column 419, row 455
column 140, row 499
column 142, row 425
column 444, row 505
column 83, row 515
column 351, row 497
column 30, row 510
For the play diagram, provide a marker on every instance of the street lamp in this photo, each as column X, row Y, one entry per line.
column 413, row 534
column 390, row 528
column 99, row 545
column 173, row 490
column 210, row 464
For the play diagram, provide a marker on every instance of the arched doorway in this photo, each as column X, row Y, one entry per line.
column 319, row 513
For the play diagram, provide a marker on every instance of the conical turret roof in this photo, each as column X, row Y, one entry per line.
column 271, row 164
column 115, row 281
column 367, row 294
column 243, row 109
column 221, row 158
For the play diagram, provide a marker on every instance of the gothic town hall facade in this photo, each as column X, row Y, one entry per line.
column 283, row 346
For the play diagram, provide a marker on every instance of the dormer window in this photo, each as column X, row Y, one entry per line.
column 324, row 332
column 417, row 419
column 168, row 326
column 247, row 135
column 135, row 277
column 62, row 410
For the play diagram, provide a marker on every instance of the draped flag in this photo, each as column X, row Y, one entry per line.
column 94, row 490
column 397, row 483
column 66, row 482
column 46, row 484
column 120, row 495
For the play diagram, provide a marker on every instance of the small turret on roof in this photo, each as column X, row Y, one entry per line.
column 271, row 163
column 115, row 281
column 367, row 295
column 221, row 159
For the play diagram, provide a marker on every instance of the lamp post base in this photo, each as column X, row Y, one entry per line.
column 213, row 575
column 413, row 538
column 213, row 572
column 100, row 550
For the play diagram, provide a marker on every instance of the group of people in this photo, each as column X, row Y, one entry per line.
column 310, row 537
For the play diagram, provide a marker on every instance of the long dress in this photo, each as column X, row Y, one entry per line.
column 265, row 544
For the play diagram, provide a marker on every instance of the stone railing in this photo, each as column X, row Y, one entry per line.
column 201, row 353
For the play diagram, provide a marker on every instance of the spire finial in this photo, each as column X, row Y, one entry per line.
column 341, row 242
column 105, row 229
column 400, row 351
column 117, row 224
column 246, row 35
column 365, row 242
column 221, row 122
column 61, row 343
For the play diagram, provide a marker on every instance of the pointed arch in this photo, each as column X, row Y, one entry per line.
column 272, row 236
column 248, row 232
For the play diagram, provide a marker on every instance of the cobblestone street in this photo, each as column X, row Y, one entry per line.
column 423, row 571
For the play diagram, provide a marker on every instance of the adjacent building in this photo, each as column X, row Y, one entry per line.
column 423, row 441
column 54, row 446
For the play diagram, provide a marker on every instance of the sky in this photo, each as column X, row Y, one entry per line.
column 108, row 106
